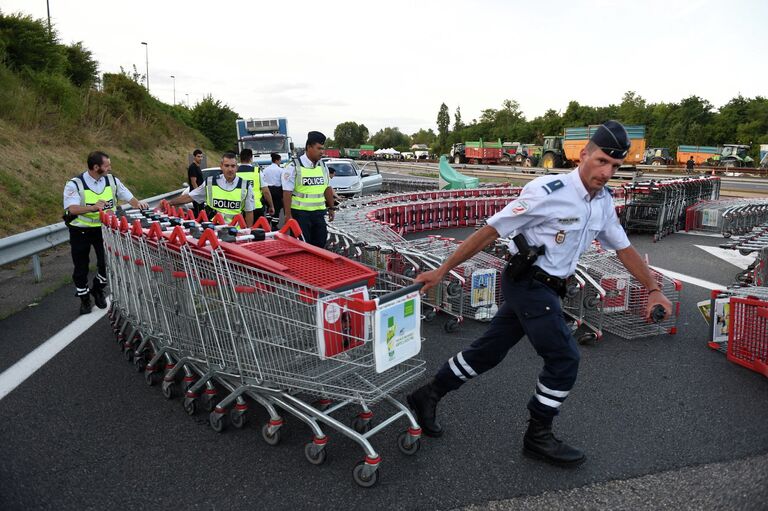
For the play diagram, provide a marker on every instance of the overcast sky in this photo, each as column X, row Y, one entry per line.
column 392, row 63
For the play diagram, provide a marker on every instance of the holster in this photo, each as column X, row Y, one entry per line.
column 520, row 264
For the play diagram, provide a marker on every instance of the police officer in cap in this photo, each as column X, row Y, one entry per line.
column 553, row 222
column 307, row 193
column 84, row 197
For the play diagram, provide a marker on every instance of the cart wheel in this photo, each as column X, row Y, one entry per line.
column 406, row 445
column 585, row 339
column 314, row 455
column 169, row 389
column 744, row 252
column 216, row 420
column 591, row 302
column 361, row 425
column 238, row 419
column 727, row 234
column 210, row 401
column 139, row 363
column 453, row 290
column 430, row 315
column 410, row 272
column 152, row 377
column 128, row 354
column 271, row 439
column 360, row 479
column 190, row 406
column 451, row 325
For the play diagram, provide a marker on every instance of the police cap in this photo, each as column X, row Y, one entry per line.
column 315, row 137
column 612, row 138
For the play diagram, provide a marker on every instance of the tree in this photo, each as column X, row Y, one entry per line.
column 457, row 124
column 443, row 121
column 350, row 134
column 390, row 137
column 81, row 70
column 28, row 45
column 424, row 137
column 216, row 121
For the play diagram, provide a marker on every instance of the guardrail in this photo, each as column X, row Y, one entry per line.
column 31, row 243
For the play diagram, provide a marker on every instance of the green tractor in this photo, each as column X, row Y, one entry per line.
column 552, row 155
column 658, row 156
column 733, row 156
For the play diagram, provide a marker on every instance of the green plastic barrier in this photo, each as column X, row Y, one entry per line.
column 452, row 180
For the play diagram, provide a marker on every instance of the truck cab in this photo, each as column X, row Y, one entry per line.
column 264, row 137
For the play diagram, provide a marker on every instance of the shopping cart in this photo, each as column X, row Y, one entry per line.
column 248, row 323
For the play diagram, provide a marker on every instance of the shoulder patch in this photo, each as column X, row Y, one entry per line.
column 553, row 186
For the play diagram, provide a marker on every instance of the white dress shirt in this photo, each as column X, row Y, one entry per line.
column 72, row 195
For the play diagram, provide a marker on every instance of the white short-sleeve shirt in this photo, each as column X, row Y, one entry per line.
column 556, row 212
column 72, row 195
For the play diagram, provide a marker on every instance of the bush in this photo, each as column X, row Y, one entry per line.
column 59, row 94
column 82, row 70
column 28, row 45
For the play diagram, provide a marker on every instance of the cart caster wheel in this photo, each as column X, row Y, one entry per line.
column 216, row 420
column 591, row 302
column 407, row 445
column 238, row 419
column 190, row 406
column 453, row 290
column 363, row 480
column 430, row 315
column 271, row 439
column 727, row 234
column 744, row 252
column 169, row 389
column 315, row 455
column 152, row 377
column 209, row 402
column 128, row 354
column 322, row 404
column 139, row 363
column 361, row 425
column 451, row 325
column 586, row 339
column 410, row 272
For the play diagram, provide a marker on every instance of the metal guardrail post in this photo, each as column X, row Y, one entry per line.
column 36, row 269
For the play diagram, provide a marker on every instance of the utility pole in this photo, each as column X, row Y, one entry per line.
column 187, row 100
column 174, row 90
column 146, row 47
column 48, row 7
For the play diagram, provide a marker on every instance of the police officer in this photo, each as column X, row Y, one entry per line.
column 307, row 192
column 227, row 194
column 84, row 196
column 261, row 194
column 272, row 178
column 554, row 220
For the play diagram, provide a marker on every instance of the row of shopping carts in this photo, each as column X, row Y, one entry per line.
column 659, row 206
column 275, row 322
column 727, row 217
column 738, row 325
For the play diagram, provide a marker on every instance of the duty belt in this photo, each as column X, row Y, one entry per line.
column 557, row 284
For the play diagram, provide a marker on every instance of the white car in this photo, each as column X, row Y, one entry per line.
column 349, row 180
column 208, row 172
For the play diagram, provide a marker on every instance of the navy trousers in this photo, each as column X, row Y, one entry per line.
column 313, row 226
column 530, row 308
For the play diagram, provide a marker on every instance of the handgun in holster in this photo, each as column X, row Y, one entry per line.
column 520, row 264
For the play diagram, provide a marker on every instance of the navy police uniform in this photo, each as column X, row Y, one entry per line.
column 558, row 214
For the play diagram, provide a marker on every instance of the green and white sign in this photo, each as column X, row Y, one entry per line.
column 397, row 331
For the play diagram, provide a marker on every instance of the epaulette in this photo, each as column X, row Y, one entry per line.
column 553, row 186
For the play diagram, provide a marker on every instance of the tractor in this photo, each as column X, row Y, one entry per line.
column 658, row 156
column 733, row 155
column 552, row 155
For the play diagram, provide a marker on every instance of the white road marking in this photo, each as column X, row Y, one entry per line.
column 704, row 234
column 730, row 256
column 27, row 366
column 689, row 280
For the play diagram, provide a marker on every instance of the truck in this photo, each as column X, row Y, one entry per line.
column 366, row 151
column 477, row 152
column 727, row 155
column 264, row 137
column 564, row 151
column 657, row 156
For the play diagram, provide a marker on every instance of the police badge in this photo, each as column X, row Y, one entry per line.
column 560, row 237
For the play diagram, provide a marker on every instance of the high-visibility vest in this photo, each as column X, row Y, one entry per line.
column 251, row 173
column 309, row 187
column 228, row 203
column 88, row 198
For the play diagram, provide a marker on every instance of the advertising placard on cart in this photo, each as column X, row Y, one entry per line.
column 397, row 331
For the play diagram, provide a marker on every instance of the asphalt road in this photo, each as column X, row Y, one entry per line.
column 85, row 431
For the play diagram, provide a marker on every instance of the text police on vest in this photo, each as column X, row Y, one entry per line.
column 313, row 181
column 107, row 205
column 226, row 204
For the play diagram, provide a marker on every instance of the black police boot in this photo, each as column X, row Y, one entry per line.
column 85, row 304
column 99, row 298
column 423, row 402
column 540, row 443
